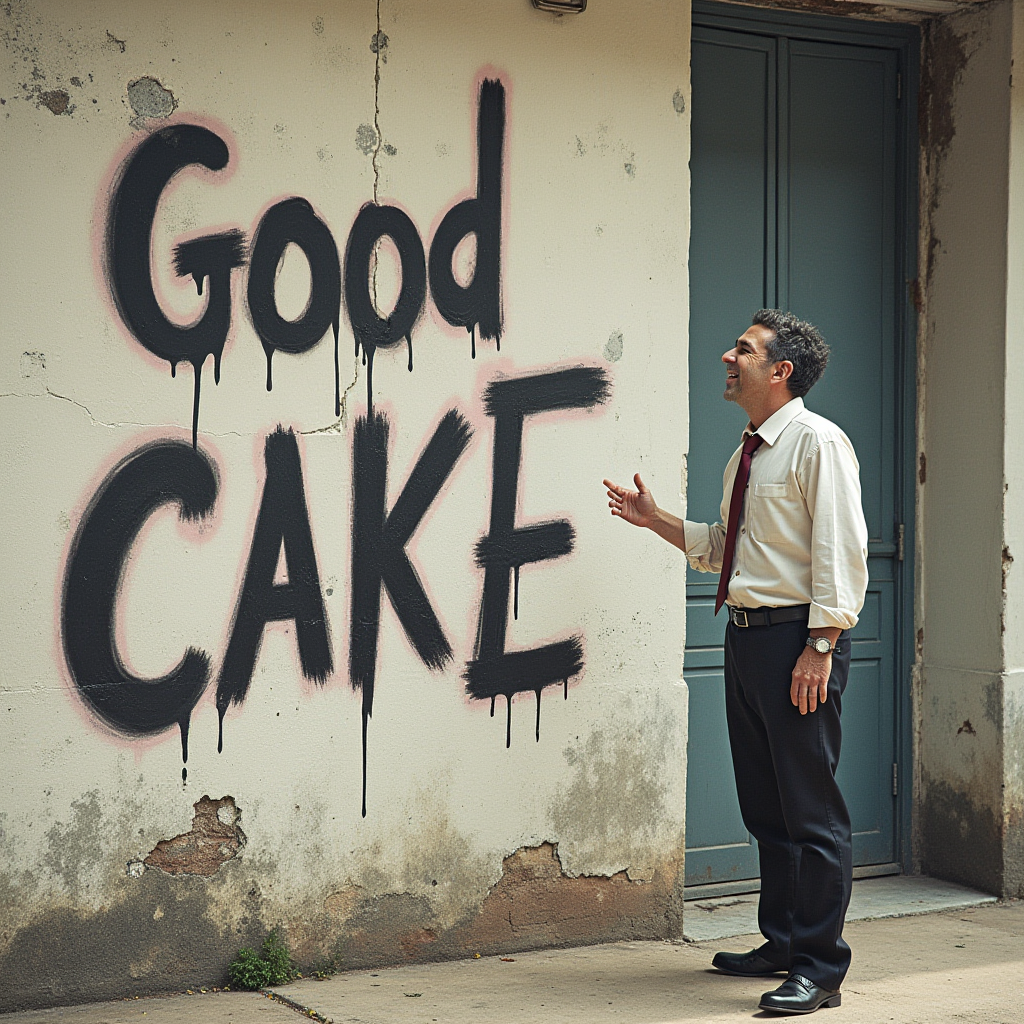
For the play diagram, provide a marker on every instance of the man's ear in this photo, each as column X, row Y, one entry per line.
column 782, row 371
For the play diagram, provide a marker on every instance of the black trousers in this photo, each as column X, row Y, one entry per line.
column 785, row 766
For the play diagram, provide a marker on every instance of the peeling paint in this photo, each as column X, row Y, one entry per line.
column 535, row 904
column 215, row 838
column 55, row 100
column 148, row 98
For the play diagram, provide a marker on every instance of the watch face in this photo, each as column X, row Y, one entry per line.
column 822, row 646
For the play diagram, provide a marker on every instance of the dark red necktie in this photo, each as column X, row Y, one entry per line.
column 750, row 445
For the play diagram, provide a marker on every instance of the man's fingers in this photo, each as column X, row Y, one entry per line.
column 640, row 485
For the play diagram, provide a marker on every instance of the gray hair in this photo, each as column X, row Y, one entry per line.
column 797, row 342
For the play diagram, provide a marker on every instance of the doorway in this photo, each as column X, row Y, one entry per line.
column 803, row 197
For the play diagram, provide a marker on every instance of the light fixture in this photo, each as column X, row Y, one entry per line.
column 561, row 6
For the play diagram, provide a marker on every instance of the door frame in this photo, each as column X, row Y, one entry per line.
column 905, row 41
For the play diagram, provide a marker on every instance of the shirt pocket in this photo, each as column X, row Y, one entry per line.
column 772, row 511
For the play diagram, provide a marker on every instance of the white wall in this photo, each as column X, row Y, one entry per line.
column 593, row 265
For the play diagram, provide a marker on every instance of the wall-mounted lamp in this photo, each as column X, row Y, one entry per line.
column 561, row 6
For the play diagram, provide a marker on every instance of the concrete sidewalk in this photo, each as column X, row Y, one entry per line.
column 964, row 966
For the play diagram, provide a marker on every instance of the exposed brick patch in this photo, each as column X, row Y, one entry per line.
column 536, row 904
column 215, row 837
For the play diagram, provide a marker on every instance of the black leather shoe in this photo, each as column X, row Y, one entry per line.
column 798, row 995
column 747, row 965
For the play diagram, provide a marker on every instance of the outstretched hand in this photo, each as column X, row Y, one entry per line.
column 636, row 507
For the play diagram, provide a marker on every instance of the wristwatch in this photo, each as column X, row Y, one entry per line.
column 821, row 644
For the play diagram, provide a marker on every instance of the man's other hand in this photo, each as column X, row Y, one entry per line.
column 636, row 507
column 810, row 680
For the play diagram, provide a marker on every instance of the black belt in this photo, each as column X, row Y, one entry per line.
column 744, row 617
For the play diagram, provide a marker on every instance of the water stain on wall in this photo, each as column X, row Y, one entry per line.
column 613, row 810
column 73, row 849
column 163, row 934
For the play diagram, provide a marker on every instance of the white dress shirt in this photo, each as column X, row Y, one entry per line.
column 802, row 537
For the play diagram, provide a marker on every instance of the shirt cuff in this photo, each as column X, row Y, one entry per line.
column 697, row 537
column 839, row 617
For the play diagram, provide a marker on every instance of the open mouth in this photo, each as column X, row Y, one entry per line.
column 732, row 376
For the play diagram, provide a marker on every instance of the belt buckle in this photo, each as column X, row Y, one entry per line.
column 736, row 613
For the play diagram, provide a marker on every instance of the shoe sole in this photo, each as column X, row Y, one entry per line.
column 828, row 1004
column 748, row 974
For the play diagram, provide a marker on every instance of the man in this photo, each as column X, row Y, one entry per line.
column 793, row 560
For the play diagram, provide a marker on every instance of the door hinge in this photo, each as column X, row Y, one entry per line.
column 899, row 85
column 895, row 779
column 900, row 532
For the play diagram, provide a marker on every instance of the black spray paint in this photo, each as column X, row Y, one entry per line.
column 479, row 303
column 494, row 670
column 371, row 330
column 143, row 179
column 282, row 522
column 475, row 306
column 379, row 539
column 293, row 221
column 163, row 473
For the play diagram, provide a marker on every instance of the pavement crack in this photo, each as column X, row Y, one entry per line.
column 307, row 1011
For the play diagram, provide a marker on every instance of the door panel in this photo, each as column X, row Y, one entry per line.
column 794, row 184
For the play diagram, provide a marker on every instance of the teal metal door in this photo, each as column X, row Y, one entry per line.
column 797, row 182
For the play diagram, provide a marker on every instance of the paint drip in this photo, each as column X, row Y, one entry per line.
column 183, row 727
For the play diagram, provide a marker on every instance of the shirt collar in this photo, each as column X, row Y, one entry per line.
column 772, row 427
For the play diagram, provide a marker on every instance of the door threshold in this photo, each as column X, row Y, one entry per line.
column 744, row 886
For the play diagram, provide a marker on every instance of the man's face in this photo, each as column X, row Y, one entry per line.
column 747, row 370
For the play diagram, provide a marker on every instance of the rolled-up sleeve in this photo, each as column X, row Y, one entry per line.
column 705, row 545
column 839, row 536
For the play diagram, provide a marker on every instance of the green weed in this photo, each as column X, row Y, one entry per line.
column 271, row 966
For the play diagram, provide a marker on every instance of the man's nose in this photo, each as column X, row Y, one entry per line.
column 730, row 356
